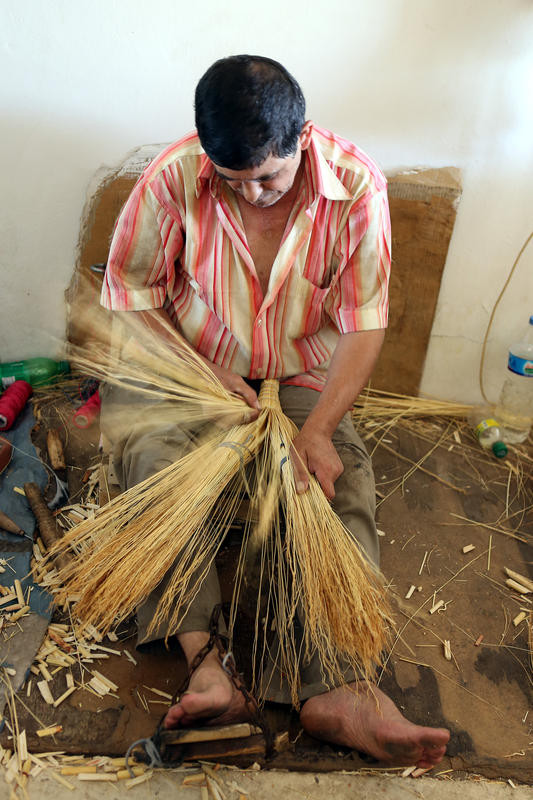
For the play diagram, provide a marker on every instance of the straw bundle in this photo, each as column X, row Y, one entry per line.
column 377, row 404
column 313, row 569
column 312, row 566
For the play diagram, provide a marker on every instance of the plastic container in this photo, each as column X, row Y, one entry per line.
column 36, row 371
column 487, row 431
column 515, row 406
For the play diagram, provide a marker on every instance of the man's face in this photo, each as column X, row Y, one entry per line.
column 264, row 185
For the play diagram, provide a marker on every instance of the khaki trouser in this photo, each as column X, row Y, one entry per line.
column 142, row 447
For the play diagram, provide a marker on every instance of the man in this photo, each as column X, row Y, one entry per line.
column 265, row 241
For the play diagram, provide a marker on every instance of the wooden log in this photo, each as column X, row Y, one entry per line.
column 46, row 522
column 55, row 450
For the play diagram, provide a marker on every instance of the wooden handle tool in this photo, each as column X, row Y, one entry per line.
column 46, row 522
column 7, row 524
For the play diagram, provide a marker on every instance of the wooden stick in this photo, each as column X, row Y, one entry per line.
column 193, row 780
column 59, row 641
column 18, row 591
column 124, row 774
column 64, row 696
column 139, row 779
column 77, row 770
column 517, row 586
column 102, row 678
column 62, row 781
column 8, row 598
column 213, row 789
column 18, row 614
column 50, row 731
column 46, row 693
column 187, row 735
column 55, row 450
column 213, row 751
column 526, row 582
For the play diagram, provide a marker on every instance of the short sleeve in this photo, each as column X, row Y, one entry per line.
column 147, row 240
column 359, row 298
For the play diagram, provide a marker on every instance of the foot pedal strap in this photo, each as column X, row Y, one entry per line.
column 151, row 757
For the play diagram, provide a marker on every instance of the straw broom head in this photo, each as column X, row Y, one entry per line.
column 320, row 573
column 315, row 570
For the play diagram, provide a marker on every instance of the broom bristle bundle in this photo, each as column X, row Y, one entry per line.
column 313, row 570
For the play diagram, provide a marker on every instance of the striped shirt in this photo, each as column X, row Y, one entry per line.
column 179, row 243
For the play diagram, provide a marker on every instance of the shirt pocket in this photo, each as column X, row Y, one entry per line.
column 309, row 307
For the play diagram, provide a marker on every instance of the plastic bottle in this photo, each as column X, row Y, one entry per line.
column 487, row 431
column 36, row 371
column 515, row 406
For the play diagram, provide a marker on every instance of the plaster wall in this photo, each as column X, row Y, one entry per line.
column 413, row 82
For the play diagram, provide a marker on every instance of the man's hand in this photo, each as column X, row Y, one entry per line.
column 317, row 452
column 349, row 370
column 236, row 385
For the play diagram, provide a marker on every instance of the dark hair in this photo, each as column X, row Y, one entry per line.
column 248, row 108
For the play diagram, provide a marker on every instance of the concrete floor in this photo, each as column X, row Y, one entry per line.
column 292, row 786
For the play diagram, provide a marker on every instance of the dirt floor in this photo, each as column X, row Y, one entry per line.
column 265, row 785
column 437, row 493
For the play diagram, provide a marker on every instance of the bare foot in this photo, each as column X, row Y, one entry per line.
column 354, row 717
column 211, row 697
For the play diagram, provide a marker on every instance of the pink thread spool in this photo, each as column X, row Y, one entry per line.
column 88, row 412
column 12, row 402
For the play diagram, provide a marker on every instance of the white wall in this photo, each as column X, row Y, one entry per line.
column 414, row 82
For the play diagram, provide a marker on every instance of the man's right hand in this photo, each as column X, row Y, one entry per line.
column 236, row 385
column 159, row 323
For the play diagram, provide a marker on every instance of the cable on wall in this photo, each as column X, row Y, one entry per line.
column 496, row 304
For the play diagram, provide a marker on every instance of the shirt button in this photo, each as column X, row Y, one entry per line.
column 260, row 321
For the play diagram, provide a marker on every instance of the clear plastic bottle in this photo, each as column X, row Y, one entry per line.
column 487, row 431
column 36, row 371
column 515, row 406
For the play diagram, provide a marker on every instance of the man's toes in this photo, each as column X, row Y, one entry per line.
column 174, row 717
column 196, row 703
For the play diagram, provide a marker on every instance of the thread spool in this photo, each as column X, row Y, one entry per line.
column 87, row 413
column 12, row 402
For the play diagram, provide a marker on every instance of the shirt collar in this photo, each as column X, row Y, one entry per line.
column 207, row 176
column 319, row 177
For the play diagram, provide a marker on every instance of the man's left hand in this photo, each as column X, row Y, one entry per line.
column 317, row 452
